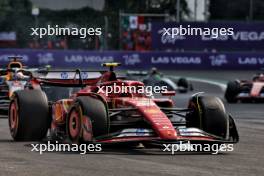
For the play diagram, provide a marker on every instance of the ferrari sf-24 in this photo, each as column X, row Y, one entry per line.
column 246, row 90
column 88, row 115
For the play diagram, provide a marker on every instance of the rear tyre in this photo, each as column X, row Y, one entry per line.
column 183, row 84
column 28, row 115
column 90, row 110
column 232, row 91
column 209, row 115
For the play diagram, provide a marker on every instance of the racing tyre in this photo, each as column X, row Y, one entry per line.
column 88, row 116
column 209, row 115
column 232, row 91
column 183, row 85
column 28, row 115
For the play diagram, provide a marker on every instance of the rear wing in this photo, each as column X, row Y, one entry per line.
column 68, row 78
column 68, row 74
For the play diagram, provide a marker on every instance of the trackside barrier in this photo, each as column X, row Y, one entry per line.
column 138, row 60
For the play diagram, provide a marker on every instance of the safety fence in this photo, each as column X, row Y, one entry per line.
column 138, row 60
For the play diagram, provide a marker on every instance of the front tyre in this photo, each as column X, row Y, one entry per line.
column 183, row 85
column 209, row 115
column 28, row 115
column 232, row 91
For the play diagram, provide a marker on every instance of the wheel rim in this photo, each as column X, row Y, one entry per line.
column 74, row 124
column 13, row 118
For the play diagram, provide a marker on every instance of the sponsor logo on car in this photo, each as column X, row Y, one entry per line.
column 64, row 75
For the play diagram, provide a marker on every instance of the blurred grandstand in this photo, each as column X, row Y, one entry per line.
column 133, row 25
column 127, row 23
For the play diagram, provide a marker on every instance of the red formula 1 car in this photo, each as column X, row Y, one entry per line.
column 246, row 90
column 92, row 114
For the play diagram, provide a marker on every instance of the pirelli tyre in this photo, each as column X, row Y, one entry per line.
column 232, row 90
column 208, row 114
column 28, row 115
column 89, row 116
column 183, row 85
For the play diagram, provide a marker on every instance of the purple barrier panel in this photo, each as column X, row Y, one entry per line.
column 195, row 61
column 78, row 59
column 59, row 58
column 245, row 61
column 247, row 36
column 137, row 60
column 29, row 57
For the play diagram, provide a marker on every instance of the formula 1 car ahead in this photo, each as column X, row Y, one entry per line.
column 92, row 115
column 12, row 78
column 246, row 90
column 155, row 78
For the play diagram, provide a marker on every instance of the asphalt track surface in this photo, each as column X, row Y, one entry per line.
column 246, row 159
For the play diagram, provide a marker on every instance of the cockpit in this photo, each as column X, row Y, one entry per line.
column 15, row 64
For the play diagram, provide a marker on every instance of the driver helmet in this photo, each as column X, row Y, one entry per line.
column 153, row 71
column 19, row 75
column 261, row 76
